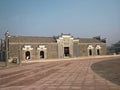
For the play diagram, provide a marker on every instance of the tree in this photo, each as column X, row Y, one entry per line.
column 115, row 48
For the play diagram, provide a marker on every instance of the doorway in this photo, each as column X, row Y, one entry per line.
column 27, row 55
column 66, row 51
column 41, row 54
column 98, row 52
column 90, row 52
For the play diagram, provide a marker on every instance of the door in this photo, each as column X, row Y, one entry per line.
column 66, row 51
column 90, row 52
column 27, row 55
column 41, row 54
column 98, row 52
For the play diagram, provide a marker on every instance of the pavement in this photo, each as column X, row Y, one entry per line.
column 68, row 74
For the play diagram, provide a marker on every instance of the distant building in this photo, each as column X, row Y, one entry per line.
column 63, row 46
column 2, row 50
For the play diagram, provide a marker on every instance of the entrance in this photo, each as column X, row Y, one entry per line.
column 98, row 52
column 27, row 55
column 66, row 51
column 41, row 54
column 90, row 52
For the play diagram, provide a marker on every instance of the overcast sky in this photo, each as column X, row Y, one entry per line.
column 80, row 18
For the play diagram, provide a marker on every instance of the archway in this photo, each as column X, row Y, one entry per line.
column 98, row 51
column 66, row 51
column 41, row 54
column 27, row 55
column 90, row 52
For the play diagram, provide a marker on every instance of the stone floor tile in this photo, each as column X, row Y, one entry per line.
column 85, row 87
column 101, row 87
column 64, row 87
column 76, row 76
column 51, row 88
column 114, row 88
column 76, row 88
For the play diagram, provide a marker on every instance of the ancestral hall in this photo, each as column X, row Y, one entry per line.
column 62, row 46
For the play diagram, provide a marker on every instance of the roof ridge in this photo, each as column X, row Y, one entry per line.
column 34, row 36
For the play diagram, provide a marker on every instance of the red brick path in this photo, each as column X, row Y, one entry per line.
column 58, row 75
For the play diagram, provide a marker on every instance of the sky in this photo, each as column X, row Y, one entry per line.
column 80, row 18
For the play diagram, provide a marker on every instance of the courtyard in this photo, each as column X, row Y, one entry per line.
column 72, row 74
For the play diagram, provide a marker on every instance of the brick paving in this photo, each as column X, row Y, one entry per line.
column 59, row 75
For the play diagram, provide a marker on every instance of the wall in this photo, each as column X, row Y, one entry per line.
column 83, row 49
column 52, row 51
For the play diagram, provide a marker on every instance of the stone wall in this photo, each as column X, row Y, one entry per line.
column 83, row 49
column 52, row 51
column 13, row 50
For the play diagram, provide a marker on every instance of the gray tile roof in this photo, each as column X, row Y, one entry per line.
column 30, row 39
column 89, row 40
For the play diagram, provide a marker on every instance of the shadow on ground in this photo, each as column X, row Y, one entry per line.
column 9, row 65
column 109, row 70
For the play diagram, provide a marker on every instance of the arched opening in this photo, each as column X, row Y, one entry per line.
column 98, row 51
column 41, row 54
column 27, row 55
column 66, row 51
column 90, row 52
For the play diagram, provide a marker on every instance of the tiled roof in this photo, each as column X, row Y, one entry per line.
column 89, row 40
column 30, row 39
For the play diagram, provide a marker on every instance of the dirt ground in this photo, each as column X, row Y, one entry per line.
column 109, row 70
column 58, row 75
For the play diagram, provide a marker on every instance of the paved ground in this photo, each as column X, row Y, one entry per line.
column 58, row 75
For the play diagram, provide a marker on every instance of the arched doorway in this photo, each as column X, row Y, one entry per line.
column 27, row 55
column 98, row 51
column 90, row 52
column 66, row 51
column 41, row 54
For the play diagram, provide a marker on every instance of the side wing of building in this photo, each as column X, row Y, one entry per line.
column 33, row 48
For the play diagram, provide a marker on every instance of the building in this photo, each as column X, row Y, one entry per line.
column 2, row 50
column 63, row 46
